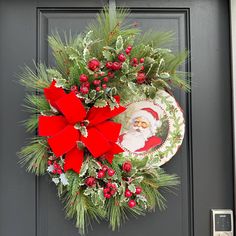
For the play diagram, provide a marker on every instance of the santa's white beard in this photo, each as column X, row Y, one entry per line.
column 135, row 138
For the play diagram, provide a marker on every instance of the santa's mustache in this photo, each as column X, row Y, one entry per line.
column 138, row 129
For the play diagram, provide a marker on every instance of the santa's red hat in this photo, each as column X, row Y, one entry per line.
column 150, row 115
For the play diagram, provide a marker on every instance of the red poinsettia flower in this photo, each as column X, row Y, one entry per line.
column 63, row 132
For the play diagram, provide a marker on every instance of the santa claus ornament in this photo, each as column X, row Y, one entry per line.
column 152, row 128
column 105, row 120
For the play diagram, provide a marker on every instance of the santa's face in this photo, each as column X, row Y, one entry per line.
column 141, row 122
column 137, row 135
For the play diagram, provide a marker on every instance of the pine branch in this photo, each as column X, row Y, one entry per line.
column 35, row 80
column 36, row 104
column 155, row 39
column 31, row 123
column 35, row 156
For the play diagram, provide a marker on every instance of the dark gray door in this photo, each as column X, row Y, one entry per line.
column 29, row 206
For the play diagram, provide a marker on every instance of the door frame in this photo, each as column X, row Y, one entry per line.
column 233, row 79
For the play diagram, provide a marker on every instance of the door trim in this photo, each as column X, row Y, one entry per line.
column 233, row 79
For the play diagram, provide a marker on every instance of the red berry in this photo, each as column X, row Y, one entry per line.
column 101, row 174
column 49, row 163
column 84, row 90
column 113, row 192
column 56, row 165
column 105, row 79
column 86, row 84
column 74, row 88
column 129, row 47
column 138, row 190
column 116, row 66
column 110, row 74
column 134, row 60
column 142, row 68
column 110, row 172
column 97, row 82
column 121, row 57
column 106, row 190
column 109, row 65
column 132, row 203
column 59, row 171
column 90, row 181
column 109, row 185
column 104, row 168
column 104, row 86
column 113, row 186
column 141, row 60
column 54, row 171
column 127, row 166
column 98, row 89
column 141, row 77
column 93, row 64
column 128, row 193
column 127, row 51
column 107, row 195
column 83, row 78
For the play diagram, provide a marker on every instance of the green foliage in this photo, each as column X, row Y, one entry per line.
column 31, row 123
column 35, row 156
column 35, row 80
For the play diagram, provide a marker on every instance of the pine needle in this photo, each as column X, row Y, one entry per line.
column 35, row 156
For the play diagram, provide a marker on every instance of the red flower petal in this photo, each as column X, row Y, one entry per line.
column 53, row 93
column 74, row 159
column 110, row 130
column 114, row 150
column 96, row 142
column 72, row 108
column 51, row 125
column 64, row 141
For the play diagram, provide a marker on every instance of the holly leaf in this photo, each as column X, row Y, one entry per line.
column 107, row 55
column 159, row 83
column 86, row 54
column 152, row 92
column 164, row 75
column 132, row 188
column 123, row 78
column 141, row 200
column 88, row 191
column 100, row 103
column 112, row 104
column 125, row 68
column 92, row 94
column 88, row 38
column 138, row 179
column 83, row 169
column 112, row 91
column 119, row 44
column 83, row 131
column 54, row 73
column 60, row 83
column 133, row 88
column 109, row 48
column 152, row 70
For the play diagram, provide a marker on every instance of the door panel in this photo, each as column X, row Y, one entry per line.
column 75, row 21
column 204, row 162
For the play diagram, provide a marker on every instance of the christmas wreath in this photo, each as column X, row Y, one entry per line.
column 104, row 81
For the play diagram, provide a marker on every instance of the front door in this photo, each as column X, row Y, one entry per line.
column 29, row 206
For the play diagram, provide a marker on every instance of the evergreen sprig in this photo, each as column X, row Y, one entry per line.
column 35, row 156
